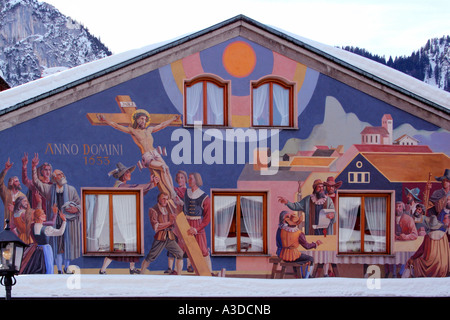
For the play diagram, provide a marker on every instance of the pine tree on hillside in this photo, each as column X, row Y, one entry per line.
column 419, row 64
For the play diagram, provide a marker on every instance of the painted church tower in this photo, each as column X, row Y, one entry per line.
column 379, row 135
column 387, row 123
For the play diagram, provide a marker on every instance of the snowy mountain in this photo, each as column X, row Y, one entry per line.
column 36, row 40
column 430, row 64
column 438, row 70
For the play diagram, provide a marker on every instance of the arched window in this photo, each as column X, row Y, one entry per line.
column 206, row 101
column 272, row 103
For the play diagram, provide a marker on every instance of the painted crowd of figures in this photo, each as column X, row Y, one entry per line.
column 47, row 217
column 429, row 218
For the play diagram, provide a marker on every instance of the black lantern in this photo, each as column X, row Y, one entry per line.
column 11, row 254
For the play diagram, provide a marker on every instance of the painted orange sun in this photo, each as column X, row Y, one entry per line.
column 239, row 59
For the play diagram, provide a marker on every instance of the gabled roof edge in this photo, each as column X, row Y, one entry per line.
column 119, row 65
column 183, row 39
column 345, row 64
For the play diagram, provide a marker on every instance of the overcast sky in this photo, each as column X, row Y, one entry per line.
column 383, row 27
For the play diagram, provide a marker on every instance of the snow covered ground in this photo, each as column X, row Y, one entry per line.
column 215, row 297
column 159, row 286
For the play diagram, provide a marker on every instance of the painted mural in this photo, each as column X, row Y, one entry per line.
column 266, row 159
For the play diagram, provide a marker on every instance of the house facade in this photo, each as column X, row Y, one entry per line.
column 236, row 125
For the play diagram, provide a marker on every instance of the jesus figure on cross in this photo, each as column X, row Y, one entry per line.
column 141, row 133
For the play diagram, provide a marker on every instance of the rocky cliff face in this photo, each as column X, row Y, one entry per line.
column 36, row 39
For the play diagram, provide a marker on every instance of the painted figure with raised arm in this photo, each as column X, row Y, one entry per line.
column 68, row 246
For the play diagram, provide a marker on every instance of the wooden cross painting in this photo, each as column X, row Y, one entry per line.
column 191, row 246
column 125, row 119
column 127, row 108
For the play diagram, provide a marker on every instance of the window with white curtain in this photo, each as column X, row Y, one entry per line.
column 239, row 222
column 206, row 100
column 364, row 223
column 112, row 221
column 272, row 103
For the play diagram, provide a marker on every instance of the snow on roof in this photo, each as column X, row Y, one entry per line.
column 43, row 87
column 378, row 72
column 30, row 92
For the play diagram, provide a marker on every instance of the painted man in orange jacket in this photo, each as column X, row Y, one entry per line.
column 290, row 238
